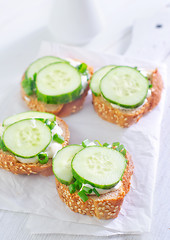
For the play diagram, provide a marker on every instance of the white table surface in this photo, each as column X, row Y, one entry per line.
column 21, row 31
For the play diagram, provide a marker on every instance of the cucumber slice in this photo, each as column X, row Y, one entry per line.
column 58, row 83
column 27, row 115
column 98, row 166
column 35, row 67
column 96, row 78
column 27, row 138
column 124, row 86
column 62, row 163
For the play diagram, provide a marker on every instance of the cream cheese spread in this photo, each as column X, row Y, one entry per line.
column 104, row 191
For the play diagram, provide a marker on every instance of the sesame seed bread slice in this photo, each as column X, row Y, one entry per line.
column 9, row 162
column 105, row 206
column 61, row 110
column 126, row 118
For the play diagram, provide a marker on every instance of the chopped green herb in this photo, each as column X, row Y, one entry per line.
column 82, row 68
column 86, row 142
column 28, row 86
column 123, row 151
column 75, row 186
column 50, row 124
column 2, row 145
column 115, row 144
column 107, row 145
column 58, row 138
column 87, row 189
column 96, row 192
column 47, row 122
column 150, row 85
column 34, row 76
column 98, row 143
column 83, row 195
column 119, row 148
column 72, row 188
column 43, row 158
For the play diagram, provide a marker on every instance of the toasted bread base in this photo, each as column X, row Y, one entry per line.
column 10, row 163
column 106, row 206
column 61, row 110
column 125, row 118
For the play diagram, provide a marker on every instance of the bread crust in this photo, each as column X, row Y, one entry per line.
column 61, row 110
column 124, row 118
column 105, row 206
column 9, row 162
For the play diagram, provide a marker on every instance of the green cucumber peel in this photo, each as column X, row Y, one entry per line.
column 96, row 78
column 61, row 175
column 42, row 116
column 53, row 59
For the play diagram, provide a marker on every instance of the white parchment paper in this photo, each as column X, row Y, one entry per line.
column 38, row 195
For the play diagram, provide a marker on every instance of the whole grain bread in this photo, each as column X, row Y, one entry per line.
column 61, row 110
column 9, row 162
column 126, row 118
column 105, row 206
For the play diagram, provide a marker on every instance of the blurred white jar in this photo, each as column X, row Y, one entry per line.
column 74, row 21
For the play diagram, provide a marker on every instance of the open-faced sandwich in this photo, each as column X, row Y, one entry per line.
column 122, row 94
column 29, row 140
column 55, row 85
column 93, row 179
